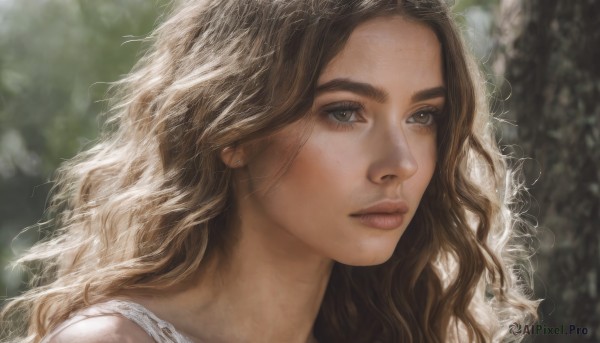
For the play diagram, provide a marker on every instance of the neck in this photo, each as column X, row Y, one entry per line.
column 261, row 293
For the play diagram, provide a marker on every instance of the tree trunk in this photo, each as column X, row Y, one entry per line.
column 549, row 57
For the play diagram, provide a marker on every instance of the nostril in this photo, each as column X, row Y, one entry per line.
column 389, row 177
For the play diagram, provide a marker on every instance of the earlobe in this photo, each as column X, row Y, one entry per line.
column 233, row 157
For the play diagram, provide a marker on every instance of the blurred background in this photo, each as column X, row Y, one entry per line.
column 540, row 57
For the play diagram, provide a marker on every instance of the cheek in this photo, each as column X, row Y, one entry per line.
column 269, row 158
column 315, row 184
column 426, row 157
column 314, row 172
column 320, row 156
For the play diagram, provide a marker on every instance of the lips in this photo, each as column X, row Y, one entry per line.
column 388, row 214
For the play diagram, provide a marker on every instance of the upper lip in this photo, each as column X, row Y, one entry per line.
column 385, row 207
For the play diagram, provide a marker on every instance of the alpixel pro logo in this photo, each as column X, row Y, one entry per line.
column 539, row 329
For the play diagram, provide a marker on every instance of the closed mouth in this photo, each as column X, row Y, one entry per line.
column 380, row 220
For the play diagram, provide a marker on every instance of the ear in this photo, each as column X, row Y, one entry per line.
column 233, row 157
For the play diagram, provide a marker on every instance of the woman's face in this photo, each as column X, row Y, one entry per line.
column 373, row 143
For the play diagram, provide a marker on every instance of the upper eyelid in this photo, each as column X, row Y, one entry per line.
column 434, row 111
column 360, row 107
column 429, row 108
column 342, row 104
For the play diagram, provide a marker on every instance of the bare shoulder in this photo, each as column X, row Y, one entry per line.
column 101, row 329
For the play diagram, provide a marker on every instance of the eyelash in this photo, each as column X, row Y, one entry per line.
column 354, row 108
column 346, row 106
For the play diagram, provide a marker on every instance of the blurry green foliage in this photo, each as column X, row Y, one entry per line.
column 56, row 62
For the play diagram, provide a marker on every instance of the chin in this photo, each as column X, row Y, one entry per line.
column 367, row 259
column 369, row 251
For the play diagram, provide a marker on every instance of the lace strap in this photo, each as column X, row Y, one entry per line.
column 161, row 331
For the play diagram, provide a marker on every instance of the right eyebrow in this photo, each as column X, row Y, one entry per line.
column 360, row 88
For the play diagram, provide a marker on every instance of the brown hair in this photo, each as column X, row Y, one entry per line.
column 144, row 208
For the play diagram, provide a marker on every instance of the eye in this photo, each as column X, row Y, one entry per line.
column 425, row 117
column 343, row 115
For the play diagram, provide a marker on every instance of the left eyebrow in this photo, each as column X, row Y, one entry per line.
column 375, row 93
column 430, row 93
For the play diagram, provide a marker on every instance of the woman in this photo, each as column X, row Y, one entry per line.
column 288, row 171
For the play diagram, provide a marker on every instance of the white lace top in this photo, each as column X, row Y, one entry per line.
column 160, row 330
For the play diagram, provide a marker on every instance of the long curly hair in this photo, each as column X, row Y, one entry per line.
column 143, row 209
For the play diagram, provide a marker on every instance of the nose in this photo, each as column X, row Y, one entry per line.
column 393, row 159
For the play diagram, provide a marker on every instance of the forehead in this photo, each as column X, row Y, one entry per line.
column 388, row 47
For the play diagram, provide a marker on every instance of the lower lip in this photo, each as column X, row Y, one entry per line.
column 385, row 221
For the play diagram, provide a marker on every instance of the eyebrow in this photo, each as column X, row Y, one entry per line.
column 375, row 93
